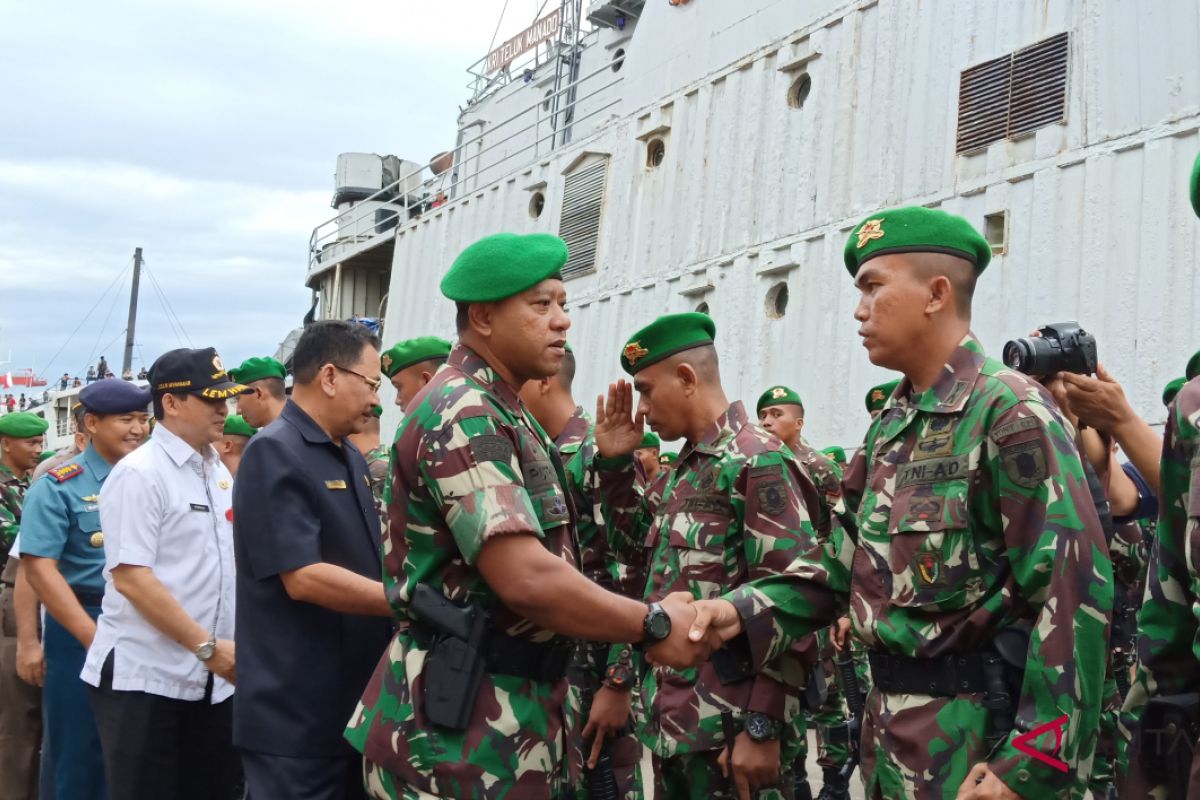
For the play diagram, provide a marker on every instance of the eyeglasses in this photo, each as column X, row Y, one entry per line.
column 373, row 385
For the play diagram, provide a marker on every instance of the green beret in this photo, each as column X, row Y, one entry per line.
column 46, row 454
column 667, row 336
column 413, row 351
column 377, row 411
column 1194, row 186
column 255, row 369
column 502, row 265
column 236, row 425
column 779, row 396
column 1172, row 389
column 650, row 439
column 1193, row 366
column 915, row 229
column 836, row 453
column 878, row 396
column 667, row 458
column 22, row 425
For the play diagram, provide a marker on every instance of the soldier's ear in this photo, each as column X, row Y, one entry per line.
column 687, row 376
column 941, row 295
column 480, row 316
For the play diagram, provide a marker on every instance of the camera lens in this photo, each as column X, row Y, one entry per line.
column 1034, row 355
column 1017, row 354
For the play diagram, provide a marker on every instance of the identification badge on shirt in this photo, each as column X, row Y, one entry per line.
column 198, row 507
column 335, row 484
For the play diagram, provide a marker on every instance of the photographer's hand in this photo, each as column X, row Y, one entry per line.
column 1100, row 403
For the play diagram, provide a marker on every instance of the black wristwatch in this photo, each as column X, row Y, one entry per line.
column 619, row 676
column 657, row 624
column 762, row 728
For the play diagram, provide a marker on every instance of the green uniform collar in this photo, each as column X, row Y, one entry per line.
column 93, row 463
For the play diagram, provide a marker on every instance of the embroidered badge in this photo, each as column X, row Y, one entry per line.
column 1016, row 426
column 877, row 396
column 387, row 360
column 778, row 392
column 554, row 507
column 707, row 504
column 634, row 353
column 940, row 423
column 771, row 497
column 335, row 484
column 925, row 509
column 97, row 539
column 933, row 446
column 1025, row 463
column 932, row 470
column 871, row 229
column 490, row 447
column 929, row 570
column 64, row 474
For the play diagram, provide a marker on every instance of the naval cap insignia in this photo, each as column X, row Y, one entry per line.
column 634, row 353
column 871, row 229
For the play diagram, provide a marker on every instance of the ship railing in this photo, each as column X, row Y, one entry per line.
column 378, row 215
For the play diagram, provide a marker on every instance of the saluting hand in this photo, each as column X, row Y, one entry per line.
column 618, row 431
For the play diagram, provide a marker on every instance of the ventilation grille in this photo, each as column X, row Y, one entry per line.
column 579, row 226
column 1013, row 94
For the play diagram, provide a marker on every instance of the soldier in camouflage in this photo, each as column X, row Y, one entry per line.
column 975, row 531
column 736, row 508
column 1168, row 657
column 601, row 677
column 781, row 412
column 480, row 519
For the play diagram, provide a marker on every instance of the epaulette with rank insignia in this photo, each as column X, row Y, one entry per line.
column 65, row 473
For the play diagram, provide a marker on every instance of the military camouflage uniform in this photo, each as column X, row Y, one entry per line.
column 377, row 466
column 973, row 515
column 468, row 464
column 12, row 495
column 1168, row 646
column 734, row 509
column 617, row 570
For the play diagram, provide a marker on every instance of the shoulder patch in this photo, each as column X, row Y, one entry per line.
column 1025, row 463
column 491, row 447
column 1016, row 426
column 65, row 473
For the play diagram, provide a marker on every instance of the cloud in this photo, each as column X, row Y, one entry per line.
column 206, row 133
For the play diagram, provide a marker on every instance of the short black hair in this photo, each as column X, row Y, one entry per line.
column 566, row 372
column 159, row 413
column 329, row 341
column 461, row 319
column 273, row 386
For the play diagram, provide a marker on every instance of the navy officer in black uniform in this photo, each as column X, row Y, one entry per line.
column 312, row 619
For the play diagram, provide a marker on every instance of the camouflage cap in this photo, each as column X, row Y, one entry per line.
column 1172, row 389
column 257, row 368
column 666, row 336
column 1193, row 366
column 1194, row 186
column 22, row 425
column 878, row 396
column 649, row 439
column 915, row 229
column 236, row 425
column 836, row 453
column 503, row 264
column 413, row 351
column 779, row 396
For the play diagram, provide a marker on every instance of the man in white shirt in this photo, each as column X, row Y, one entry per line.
column 162, row 661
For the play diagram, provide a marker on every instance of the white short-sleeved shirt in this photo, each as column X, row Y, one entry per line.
column 166, row 507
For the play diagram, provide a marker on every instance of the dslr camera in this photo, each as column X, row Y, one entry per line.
column 1062, row 347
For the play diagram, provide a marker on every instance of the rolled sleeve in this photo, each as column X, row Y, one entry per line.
column 131, row 512
column 275, row 517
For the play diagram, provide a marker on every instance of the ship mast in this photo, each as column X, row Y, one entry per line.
column 127, row 362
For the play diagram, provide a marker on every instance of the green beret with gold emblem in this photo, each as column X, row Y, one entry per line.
column 503, row 264
column 665, row 337
column 667, row 459
column 649, row 439
column 256, row 369
column 413, row 351
column 1172, row 389
column 22, row 425
column 779, row 396
column 878, row 396
column 915, row 229
column 836, row 453
column 1194, row 186
column 236, row 425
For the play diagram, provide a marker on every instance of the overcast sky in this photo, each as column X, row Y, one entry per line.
column 206, row 133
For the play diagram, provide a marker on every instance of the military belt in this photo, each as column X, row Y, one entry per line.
column 505, row 655
column 945, row 676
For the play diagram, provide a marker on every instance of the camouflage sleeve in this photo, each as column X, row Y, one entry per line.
column 1167, row 627
column 1034, row 486
column 474, row 474
column 793, row 580
column 627, row 517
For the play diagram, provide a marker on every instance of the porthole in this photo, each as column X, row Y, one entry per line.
column 702, row 308
column 537, row 203
column 798, row 91
column 618, row 59
column 777, row 300
column 656, row 152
